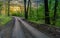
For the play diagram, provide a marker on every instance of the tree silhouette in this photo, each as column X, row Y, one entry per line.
column 29, row 6
column 55, row 12
column 26, row 8
column 1, row 7
column 47, row 18
column 8, row 7
column 26, row 15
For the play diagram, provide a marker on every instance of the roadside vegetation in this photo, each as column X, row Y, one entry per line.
column 37, row 15
column 3, row 17
column 4, row 20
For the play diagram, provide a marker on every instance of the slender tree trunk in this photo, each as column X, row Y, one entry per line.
column 55, row 12
column 8, row 7
column 37, row 12
column 0, row 11
column 28, row 5
column 30, row 9
column 47, row 18
column 25, row 10
column 50, row 3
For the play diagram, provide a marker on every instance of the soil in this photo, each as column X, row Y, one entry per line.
column 47, row 29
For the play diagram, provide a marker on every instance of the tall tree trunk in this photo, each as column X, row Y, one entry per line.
column 47, row 18
column 0, row 11
column 8, row 7
column 37, row 11
column 30, row 9
column 29, row 5
column 25, row 10
column 55, row 12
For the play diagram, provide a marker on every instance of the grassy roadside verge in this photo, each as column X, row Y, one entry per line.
column 4, row 20
column 41, row 21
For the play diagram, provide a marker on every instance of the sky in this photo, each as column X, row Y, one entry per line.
column 22, row 0
column 34, row 3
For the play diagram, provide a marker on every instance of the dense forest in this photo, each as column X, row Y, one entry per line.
column 47, row 10
column 29, row 18
column 43, row 12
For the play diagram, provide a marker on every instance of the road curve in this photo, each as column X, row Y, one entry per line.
column 32, row 30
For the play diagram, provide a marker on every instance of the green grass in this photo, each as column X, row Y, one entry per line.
column 58, row 23
column 42, row 22
column 38, row 22
column 4, row 20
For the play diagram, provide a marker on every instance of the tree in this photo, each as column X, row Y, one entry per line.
column 1, row 7
column 26, row 14
column 29, row 6
column 47, row 18
column 55, row 12
column 26, row 9
column 8, row 7
column 37, row 10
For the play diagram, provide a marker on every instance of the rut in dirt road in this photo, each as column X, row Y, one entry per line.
column 29, row 30
column 24, row 30
column 17, row 31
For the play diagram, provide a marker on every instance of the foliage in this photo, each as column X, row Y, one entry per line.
column 40, row 18
column 1, row 3
column 4, row 20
